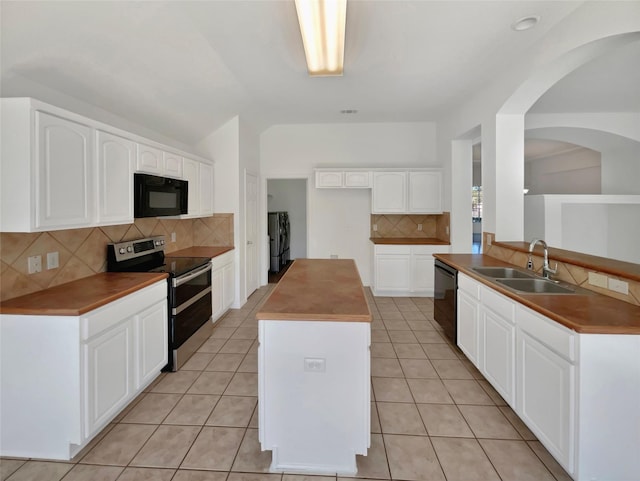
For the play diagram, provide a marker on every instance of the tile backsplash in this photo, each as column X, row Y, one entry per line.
column 82, row 252
column 401, row 225
column 567, row 272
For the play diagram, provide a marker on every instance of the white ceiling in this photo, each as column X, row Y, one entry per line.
column 184, row 68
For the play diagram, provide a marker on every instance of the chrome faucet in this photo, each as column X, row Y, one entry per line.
column 546, row 270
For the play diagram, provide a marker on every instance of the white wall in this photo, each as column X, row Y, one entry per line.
column 290, row 195
column 339, row 219
column 574, row 172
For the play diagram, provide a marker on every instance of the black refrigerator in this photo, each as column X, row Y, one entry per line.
column 278, row 240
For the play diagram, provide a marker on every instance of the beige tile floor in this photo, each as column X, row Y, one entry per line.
column 434, row 417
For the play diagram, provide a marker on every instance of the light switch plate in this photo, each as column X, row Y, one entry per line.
column 598, row 280
column 315, row 364
column 619, row 286
column 173, row 237
column 53, row 261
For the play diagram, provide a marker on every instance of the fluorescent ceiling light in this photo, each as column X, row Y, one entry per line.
column 322, row 25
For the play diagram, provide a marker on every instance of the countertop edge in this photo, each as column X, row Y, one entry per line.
column 67, row 312
column 528, row 301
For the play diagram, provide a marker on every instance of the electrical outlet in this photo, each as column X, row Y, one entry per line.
column 173, row 237
column 619, row 286
column 375, row 227
column 53, row 261
column 419, row 226
column 315, row 364
column 34, row 264
column 489, row 239
column 598, row 280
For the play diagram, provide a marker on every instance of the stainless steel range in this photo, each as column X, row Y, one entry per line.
column 188, row 292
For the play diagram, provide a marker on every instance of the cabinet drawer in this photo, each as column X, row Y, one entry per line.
column 556, row 337
column 393, row 249
column 468, row 285
column 115, row 312
column 222, row 259
column 498, row 303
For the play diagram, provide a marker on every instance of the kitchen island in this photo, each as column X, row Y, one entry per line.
column 314, row 368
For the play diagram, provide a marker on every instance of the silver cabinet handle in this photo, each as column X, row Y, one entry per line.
column 249, row 243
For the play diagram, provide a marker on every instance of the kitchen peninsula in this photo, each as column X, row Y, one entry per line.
column 314, row 367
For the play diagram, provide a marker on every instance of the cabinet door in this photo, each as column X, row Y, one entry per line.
column 546, row 397
column 152, row 343
column 422, row 275
column 109, row 375
column 425, row 194
column 389, row 192
column 115, row 178
column 206, row 189
column 498, row 359
column 468, row 327
column 191, row 174
column 359, row 180
column 217, row 307
column 150, row 160
column 172, row 165
column 392, row 272
column 64, row 177
column 228, row 286
column 328, row 179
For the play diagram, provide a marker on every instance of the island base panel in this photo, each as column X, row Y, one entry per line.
column 314, row 394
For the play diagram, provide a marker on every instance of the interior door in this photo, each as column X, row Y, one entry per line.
column 251, row 232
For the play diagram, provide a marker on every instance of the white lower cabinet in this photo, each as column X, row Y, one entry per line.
column 404, row 270
column 64, row 378
column 578, row 393
column 109, row 362
column 222, row 284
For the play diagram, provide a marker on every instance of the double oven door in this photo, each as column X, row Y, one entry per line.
column 190, row 307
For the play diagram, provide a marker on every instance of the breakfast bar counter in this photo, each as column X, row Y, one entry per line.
column 314, row 369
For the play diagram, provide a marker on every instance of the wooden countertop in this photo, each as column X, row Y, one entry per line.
column 592, row 313
column 408, row 241
column 201, row 251
column 318, row 290
column 81, row 296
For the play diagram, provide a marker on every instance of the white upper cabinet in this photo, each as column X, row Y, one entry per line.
column 348, row 179
column 325, row 179
column 206, row 189
column 115, row 178
column 172, row 165
column 425, row 192
column 389, row 192
column 407, row 192
column 200, row 178
column 61, row 170
column 150, row 160
column 64, row 164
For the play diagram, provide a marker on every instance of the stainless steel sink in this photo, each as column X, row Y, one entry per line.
column 503, row 273
column 535, row 286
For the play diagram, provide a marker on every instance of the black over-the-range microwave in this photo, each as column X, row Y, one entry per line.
column 159, row 196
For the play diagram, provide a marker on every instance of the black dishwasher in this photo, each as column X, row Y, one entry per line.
column 445, row 299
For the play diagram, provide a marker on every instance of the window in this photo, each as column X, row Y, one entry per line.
column 476, row 203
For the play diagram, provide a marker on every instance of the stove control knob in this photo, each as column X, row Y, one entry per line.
column 121, row 250
column 162, row 242
column 157, row 242
column 129, row 249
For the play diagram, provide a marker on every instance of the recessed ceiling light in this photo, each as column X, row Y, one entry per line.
column 349, row 111
column 525, row 23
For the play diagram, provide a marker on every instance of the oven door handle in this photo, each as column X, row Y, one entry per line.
column 178, row 281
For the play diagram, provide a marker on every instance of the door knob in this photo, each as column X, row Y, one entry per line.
column 249, row 243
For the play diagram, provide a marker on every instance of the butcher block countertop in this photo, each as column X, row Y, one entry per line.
column 414, row 241
column 590, row 313
column 318, row 290
column 201, row 251
column 81, row 296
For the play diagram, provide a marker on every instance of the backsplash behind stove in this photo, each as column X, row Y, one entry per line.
column 82, row 252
